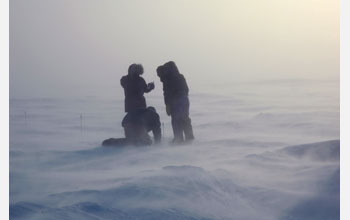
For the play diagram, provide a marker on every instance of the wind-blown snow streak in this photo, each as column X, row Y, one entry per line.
column 253, row 158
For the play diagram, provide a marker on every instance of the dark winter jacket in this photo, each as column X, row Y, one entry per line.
column 134, row 88
column 175, row 88
column 147, row 118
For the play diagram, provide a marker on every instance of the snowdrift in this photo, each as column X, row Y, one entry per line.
column 261, row 152
column 191, row 192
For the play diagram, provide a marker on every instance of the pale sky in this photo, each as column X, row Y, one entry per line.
column 60, row 46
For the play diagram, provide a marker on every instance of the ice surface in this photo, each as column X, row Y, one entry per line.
column 263, row 150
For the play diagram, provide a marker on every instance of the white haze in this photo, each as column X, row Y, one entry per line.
column 70, row 48
column 264, row 93
column 251, row 158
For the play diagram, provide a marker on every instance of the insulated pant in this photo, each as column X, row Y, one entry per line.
column 180, row 119
column 137, row 134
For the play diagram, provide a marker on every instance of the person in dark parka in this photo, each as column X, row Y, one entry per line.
column 161, row 72
column 134, row 88
column 138, row 123
column 175, row 91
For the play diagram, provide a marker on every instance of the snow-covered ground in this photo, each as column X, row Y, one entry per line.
column 263, row 150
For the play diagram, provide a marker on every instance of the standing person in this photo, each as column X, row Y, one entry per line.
column 134, row 88
column 176, row 100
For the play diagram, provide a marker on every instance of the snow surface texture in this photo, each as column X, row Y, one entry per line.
column 267, row 150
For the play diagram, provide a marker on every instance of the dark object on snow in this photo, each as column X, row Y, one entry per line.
column 136, row 125
column 116, row 142
column 134, row 88
column 176, row 100
column 139, row 122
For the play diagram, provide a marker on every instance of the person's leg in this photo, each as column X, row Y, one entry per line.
column 185, row 119
column 180, row 119
column 142, row 138
column 187, row 127
column 116, row 142
column 177, row 129
column 145, row 139
column 129, row 132
column 133, row 133
column 157, row 134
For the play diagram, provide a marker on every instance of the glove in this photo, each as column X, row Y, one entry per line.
column 168, row 110
column 150, row 86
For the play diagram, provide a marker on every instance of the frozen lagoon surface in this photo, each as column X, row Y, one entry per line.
column 267, row 150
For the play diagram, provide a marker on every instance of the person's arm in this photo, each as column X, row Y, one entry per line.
column 147, row 87
column 168, row 109
column 166, row 100
column 150, row 87
column 167, row 92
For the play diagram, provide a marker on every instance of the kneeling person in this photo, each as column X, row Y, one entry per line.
column 138, row 123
